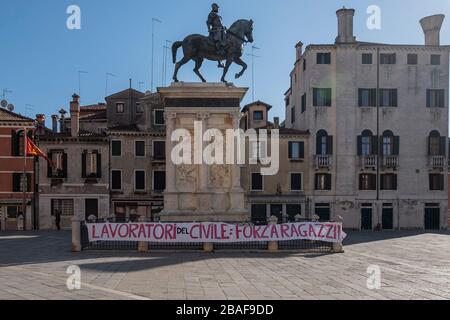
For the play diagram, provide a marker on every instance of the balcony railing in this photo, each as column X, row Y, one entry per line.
column 437, row 161
column 390, row 162
column 369, row 161
column 323, row 162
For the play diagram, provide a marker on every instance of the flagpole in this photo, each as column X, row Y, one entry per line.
column 24, row 176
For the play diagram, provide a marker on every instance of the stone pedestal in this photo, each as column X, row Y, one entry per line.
column 197, row 191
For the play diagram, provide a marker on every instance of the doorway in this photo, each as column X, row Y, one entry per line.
column 432, row 218
column 387, row 220
column 366, row 219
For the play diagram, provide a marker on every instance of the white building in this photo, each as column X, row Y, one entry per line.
column 378, row 118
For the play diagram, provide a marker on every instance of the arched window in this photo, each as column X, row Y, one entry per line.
column 324, row 143
column 366, row 143
column 387, row 145
column 436, row 144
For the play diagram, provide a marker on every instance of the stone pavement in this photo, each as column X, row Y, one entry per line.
column 413, row 265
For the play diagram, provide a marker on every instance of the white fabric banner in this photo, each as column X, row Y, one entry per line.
column 214, row 232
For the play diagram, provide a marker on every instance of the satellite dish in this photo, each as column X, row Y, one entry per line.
column 10, row 107
column 4, row 103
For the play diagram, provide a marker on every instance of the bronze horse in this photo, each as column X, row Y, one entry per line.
column 197, row 47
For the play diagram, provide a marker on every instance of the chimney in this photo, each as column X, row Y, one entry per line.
column 431, row 28
column 55, row 123
column 299, row 50
column 40, row 119
column 345, row 25
column 75, row 115
column 276, row 123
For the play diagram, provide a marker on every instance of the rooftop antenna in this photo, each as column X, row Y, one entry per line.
column 153, row 48
column 166, row 48
column 5, row 91
column 106, row 87
column 253, row 69
column 79, row 81
column 28, row 107
column 140, row 84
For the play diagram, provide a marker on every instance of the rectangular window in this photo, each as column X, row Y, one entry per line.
column 159, row 150
column 159, row 118
column 120, row 107
column 91, row 206
column 388, row 97
column 18, row 184
column 59, row 169
column 257, row 181
column 304, row 103
column 64, row 207
column 366, row 58
column 436, row 182
column 323, row 181
column 388, row 181
column 388, row 58
column 91, row 164
column 139, row 108
column 257, row 115
column 367, row 181
column 293, row 210
column 116, row 148
column 296, row 150
column 304, row 64
column 293, row 114
column 139, row 180
column 116, row 180
column 139, row 148
column 322, row 97
column 435, row 98
column 296, row 182
column 159, row 181
column 323, row 58
column 367, row 97
column 435, row 59
column 412, row 58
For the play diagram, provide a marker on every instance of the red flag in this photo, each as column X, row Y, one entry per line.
column 32, row 150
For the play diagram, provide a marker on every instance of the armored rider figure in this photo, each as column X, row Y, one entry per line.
column 216, row 30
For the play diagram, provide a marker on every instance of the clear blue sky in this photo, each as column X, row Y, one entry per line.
column 40, row 58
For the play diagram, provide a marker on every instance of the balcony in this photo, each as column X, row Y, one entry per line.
column 369, row 162
column 323, row 162
column 390, row 162
column 437, row 162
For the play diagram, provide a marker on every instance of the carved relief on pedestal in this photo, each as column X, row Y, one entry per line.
column 219, row 176
column 187, row 177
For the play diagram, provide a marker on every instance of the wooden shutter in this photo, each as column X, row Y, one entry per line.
column 382, row 182
column 290, row 150
column 16, row 177
column 328, row 182
column 394, row 97
column 374, row 145
column 28, row 182
column 99, row 165
column 64, row 173
column 359, row 145
column 442, row 145
column 394, row 182
column 330, row 145
column 396, row 145
column 49, row 167
column 83, row 164
column 301, row 150
column 14, row 144
column 360, row 182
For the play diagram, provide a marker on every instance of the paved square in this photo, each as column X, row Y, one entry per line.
column 413, row 265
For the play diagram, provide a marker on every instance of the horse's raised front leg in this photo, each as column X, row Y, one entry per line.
column 244, row 67
column 225, row 70
column 198, row 65
column 178, row 66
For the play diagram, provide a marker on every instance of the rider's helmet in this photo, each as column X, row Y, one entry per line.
column 215, row 7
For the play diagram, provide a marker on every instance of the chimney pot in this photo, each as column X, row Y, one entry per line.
column 299, row 50
column 276, row 123
column 75, row 116
column 345, row 26
column 55, row 123
column 431, row 26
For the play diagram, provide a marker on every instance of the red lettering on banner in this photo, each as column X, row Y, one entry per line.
column 168, row 232
column 265, row 232
column 302, row 231
column 133, row 228
column 312, row 230
column 294, row 230
column 247, row 235
column 320, row 235
column 274, row 230
column 256, row 230
column 141, row 233
column 94, row 236
column 161, row 233
column 223, row 231
column 330, row 228
column 122, row 228
column 197, row 227
column 104, row 232
column 284, row 231
column 112, row 232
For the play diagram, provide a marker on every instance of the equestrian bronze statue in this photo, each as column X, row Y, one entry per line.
column 222, row 44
